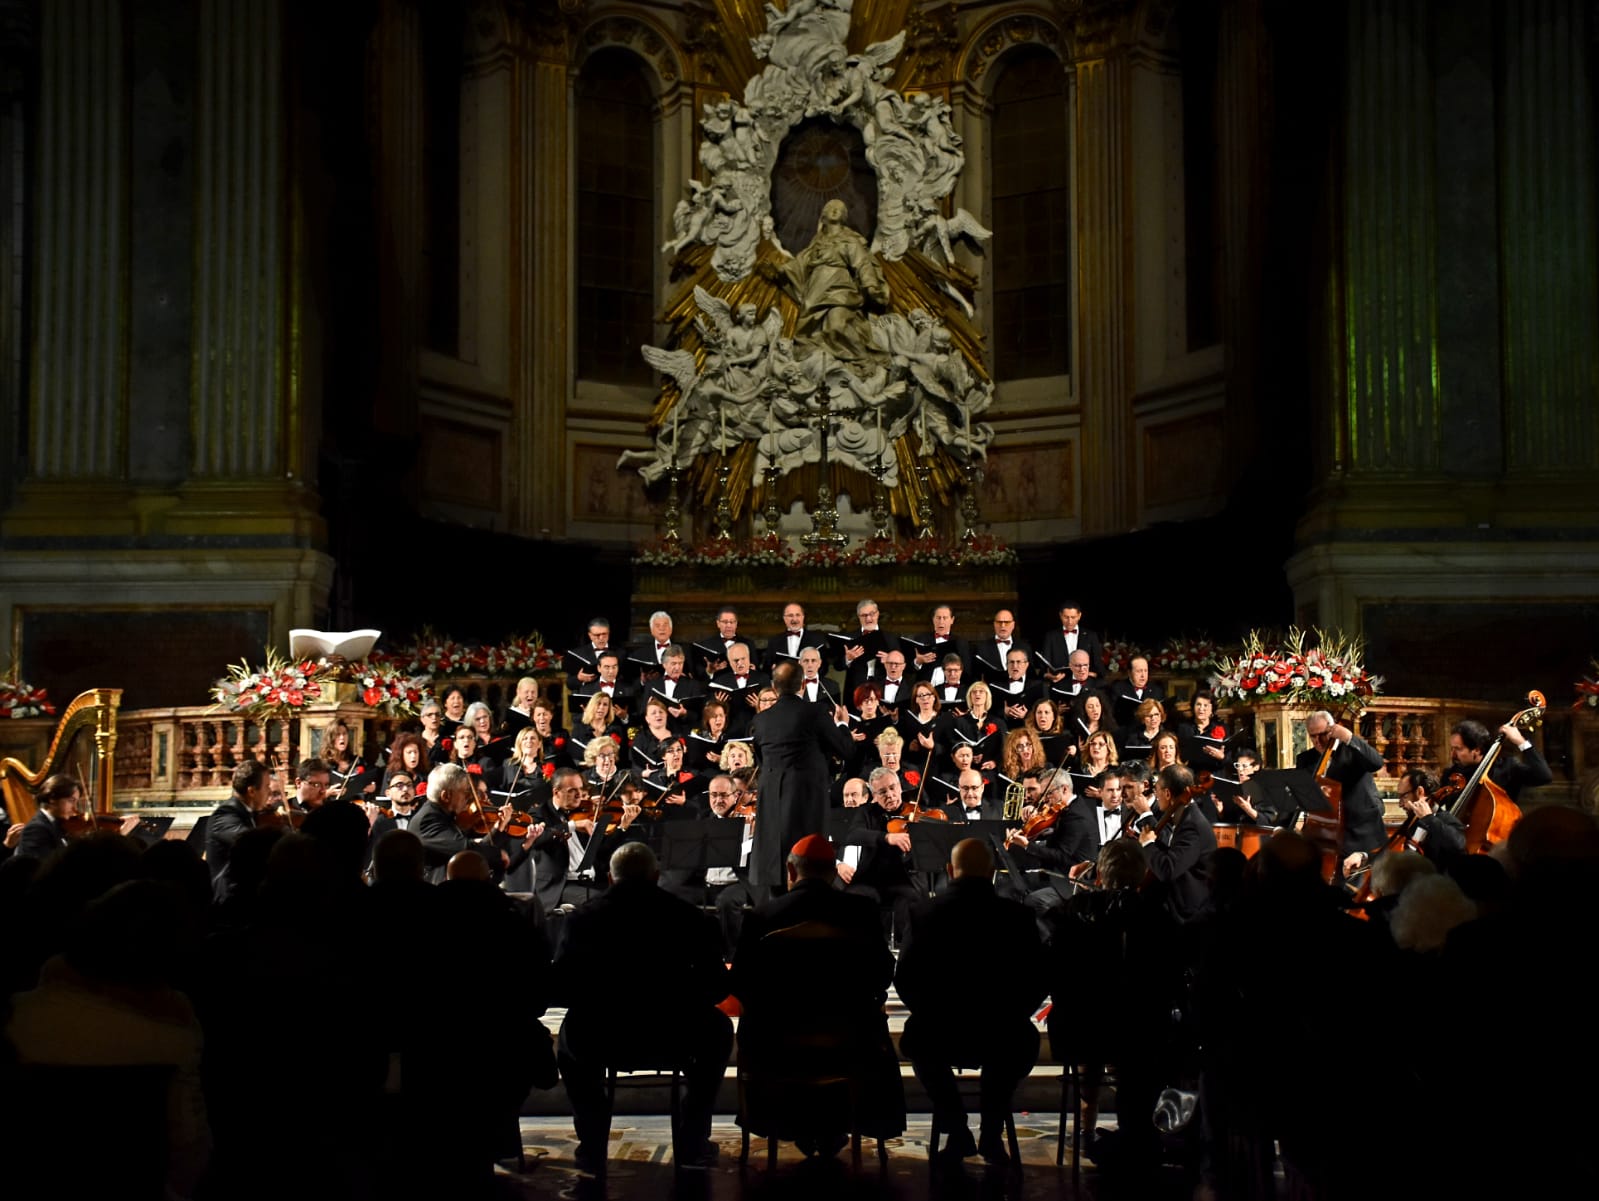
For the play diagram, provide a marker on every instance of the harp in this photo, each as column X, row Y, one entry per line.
column 84, row 744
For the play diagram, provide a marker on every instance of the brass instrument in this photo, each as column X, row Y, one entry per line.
column 1015, row 798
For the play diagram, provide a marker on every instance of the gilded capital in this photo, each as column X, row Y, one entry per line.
column 1098, row 28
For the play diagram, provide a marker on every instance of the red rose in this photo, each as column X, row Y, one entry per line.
column 559, row 741
column 446, row 744
column 372, row 696
column 616, row 738
column 683, row 777
column 991, row 728
column 475, row 768
column 549, row 771
column 913, row 778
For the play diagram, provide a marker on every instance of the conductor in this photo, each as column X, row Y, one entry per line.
column 793, row 740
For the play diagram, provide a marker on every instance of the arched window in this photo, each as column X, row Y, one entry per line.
column 615, row 155
column 1031, row 205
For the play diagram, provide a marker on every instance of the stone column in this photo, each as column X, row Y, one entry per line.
column 1243, row 119
column 1102, row 356
column 16, row 54
column 1547, row 237
column 77, row 431
column 242, row 426
column 398, row 83
column 541, row 223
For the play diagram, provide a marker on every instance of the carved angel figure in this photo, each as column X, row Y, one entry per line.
column 745, row 345
column 934, row 234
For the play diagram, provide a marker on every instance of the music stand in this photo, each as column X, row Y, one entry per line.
column 1288, row 793
column 691, row 845
column 933, row 843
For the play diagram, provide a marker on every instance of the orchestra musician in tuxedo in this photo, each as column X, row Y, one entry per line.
column 563, row 841
column 882, row 871
column 251, row 794
column 1338, row 754
column 786, row 647
column 1047, row 858
column 450, row 793
column 1518, row 766
column 1177, row 851
column 992, row 655
column 58, row 799
column 1068, row 639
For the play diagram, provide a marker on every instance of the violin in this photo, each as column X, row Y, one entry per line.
column 477, row 818
column 80, row 825
column 911, row 812
column 281, row 817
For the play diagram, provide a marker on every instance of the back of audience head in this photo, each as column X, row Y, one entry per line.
column 1122, row 865
column 343, row 829
column 634, row 863
column 399, row 858
column 467, row 865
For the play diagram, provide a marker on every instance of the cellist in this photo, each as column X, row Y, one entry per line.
column 1338, row 754
column 1469, row 740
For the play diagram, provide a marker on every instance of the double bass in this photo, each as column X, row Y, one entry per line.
column 1481, row 806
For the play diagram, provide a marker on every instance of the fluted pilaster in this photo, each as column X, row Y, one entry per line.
column 1388, row 418
column 400, row 91
column 541, row 217
column 1547, row 237
column 242, row 250
column 1102, row 359
column 77, row 430
column 1243, row 115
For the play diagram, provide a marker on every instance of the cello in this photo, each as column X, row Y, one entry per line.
column 1481, row 806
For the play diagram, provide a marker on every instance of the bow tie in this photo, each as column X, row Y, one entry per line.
column 810, row 679
column 661, row 646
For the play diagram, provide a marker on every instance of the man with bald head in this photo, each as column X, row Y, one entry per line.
column 968, row 1010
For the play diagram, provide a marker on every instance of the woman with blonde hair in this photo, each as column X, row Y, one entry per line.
column 980, row 726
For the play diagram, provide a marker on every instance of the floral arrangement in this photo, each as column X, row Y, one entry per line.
column 1587, row 689
column 391, row 691
column 438, row 656
column 985, row 550
column 279, row 689
column 1314, row 668
column 1119, row 656
column 21, row 699
column 1185, row 654
column 517, row 655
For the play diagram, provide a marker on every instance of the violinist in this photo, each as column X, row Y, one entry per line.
column 59, row 799
column 1431, row 829
column 311, row 781
column 1055, row 847
column 568, row 823
column 252, row 793
column 451, row 793
column 876, row 863
column 1468, row 742
column 1179, row 842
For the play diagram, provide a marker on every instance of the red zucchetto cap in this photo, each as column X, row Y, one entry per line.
column 813, row 846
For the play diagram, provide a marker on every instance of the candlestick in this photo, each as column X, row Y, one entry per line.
column 675, row 443
column 724, row 426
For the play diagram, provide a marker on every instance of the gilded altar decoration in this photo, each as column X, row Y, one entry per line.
column 1308, row 669
column 853, row 351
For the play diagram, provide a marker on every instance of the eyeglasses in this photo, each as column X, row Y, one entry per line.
column 401, row 783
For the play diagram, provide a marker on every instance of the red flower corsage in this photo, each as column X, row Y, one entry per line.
column 559, row 741
column 549, row 771
column 913, row 778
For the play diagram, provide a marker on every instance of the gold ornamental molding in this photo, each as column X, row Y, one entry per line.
column 1015, row 27
column 630, row 31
